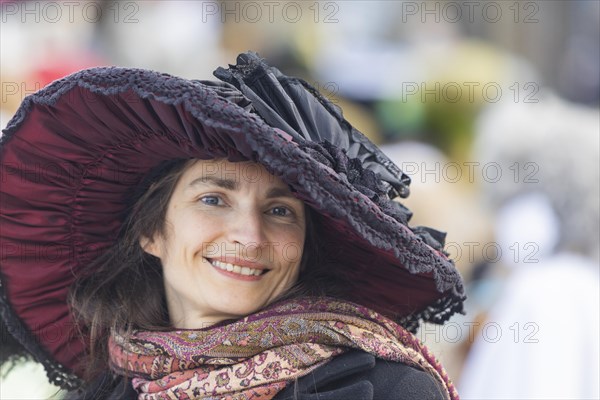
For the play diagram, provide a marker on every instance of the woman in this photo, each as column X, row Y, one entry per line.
column 233, row 239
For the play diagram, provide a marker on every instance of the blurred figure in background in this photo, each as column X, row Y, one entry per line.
column 433, row 178
column 542, row 334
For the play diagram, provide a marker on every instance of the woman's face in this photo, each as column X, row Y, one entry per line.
column 233, row 242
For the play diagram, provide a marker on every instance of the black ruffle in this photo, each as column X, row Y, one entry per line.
column 370, row 184
column 295, row 107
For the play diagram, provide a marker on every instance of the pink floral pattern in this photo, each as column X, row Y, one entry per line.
column 255, row 357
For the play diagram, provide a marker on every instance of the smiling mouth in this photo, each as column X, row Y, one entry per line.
column 237, row 269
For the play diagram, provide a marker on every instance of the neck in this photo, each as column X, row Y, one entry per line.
column 195, row 321
column 184, row 315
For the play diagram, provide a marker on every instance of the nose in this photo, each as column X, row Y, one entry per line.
column 246, row 228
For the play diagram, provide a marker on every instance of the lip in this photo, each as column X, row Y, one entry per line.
column 241, row 263
column 238, row 261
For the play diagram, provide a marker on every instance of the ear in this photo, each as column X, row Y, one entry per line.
column 150, row 246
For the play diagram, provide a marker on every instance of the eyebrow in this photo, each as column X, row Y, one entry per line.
column 209, row 180
column 280, row 192
column 230, row 184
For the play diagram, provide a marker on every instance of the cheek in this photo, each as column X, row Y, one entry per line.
column 292, row 248
column 292, row 253
column 157, row 247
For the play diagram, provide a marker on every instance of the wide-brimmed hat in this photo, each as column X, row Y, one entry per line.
column 74, row 150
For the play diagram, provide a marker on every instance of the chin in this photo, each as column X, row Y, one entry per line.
column 240, row 308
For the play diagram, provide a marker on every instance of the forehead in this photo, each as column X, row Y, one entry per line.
column 246, row 172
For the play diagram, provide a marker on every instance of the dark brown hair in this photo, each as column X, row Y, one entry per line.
column 124, row 290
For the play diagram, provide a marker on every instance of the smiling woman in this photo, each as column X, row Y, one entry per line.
column 234, row 239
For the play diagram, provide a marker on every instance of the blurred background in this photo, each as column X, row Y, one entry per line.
column 492, row 108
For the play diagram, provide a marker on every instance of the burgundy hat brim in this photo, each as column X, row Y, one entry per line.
column 74, row 150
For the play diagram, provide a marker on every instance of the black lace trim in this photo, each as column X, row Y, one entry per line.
column 57, row 374
column 437, row 313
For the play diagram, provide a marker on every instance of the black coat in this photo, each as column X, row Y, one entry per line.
column 355, row 375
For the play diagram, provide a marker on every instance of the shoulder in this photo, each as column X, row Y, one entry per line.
column 359, row 375
column 403, row 381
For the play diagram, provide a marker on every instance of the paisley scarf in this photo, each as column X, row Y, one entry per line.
column 257, row 356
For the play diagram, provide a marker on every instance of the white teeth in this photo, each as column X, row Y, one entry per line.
column 236, row 268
